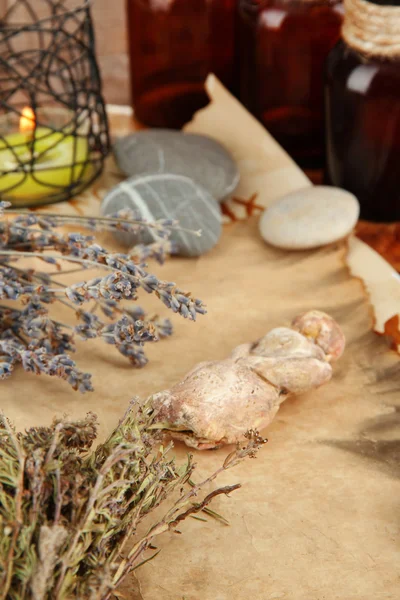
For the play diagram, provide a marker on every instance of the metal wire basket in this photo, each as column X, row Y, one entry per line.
column 53, row 125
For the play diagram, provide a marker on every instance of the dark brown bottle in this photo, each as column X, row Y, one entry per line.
column 173, row 46
column 363, row 127
column 283, row 47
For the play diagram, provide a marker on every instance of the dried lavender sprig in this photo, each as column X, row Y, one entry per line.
column 127, row 334
column 121, row 219
column 108, row 310
column 35, row 232
column 126, row 278
column 38, row 342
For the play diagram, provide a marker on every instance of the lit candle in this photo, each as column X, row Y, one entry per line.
column 37, row 162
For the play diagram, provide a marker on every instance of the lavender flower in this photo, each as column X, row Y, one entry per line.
column 29, row 335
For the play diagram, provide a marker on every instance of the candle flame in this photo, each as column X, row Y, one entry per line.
column 27, row 121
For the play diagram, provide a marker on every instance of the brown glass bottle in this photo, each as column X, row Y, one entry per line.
column 283, row 47
column 173, row 46
column 363, row 130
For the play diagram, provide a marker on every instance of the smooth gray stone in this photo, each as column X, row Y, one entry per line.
column 166, row 151
column 310, row 217
column 168, row 196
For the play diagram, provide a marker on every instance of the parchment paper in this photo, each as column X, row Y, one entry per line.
column 318, row 515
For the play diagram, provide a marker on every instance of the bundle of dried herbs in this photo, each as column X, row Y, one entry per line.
column 31, row 337
column 69, row 516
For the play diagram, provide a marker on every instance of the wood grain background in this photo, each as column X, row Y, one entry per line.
column 111, row 43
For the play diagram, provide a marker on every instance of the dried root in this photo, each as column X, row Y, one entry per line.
column 218, row 401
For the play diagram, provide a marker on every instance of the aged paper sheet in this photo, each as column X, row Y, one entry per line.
column 317, row 517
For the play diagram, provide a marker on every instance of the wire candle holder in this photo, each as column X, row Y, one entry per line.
column 54, row 134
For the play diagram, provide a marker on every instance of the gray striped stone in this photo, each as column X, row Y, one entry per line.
column 199, row 157
column 168, row 196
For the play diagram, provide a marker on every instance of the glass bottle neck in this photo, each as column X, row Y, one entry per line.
column 372, row 29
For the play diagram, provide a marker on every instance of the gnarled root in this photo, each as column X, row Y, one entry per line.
column 217, row 402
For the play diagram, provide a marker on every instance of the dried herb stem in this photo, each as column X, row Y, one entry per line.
column 32, row 338
column 89, row 222
column 17, row 516
column 66, row 514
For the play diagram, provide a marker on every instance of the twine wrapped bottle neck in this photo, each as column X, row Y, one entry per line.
column 257, row 4
column 317, row 2
column 372, row 29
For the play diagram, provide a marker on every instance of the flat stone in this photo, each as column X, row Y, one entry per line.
column 168, row 196
column 310, row 217
column 199, row 157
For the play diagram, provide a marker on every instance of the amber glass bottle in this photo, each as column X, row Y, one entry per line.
column 363, row 116
column 283, row 46
column 173, row 46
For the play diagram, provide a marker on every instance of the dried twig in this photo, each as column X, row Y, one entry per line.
column 66, row 514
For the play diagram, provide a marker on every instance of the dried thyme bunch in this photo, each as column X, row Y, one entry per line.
column 66, row 514
column 31, row 337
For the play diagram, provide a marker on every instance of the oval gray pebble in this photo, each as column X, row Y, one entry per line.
column 166, row 151
column 169, row 196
